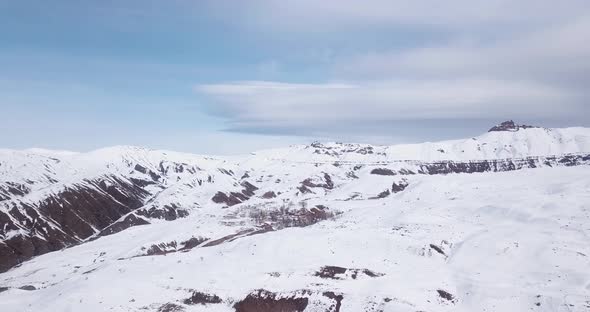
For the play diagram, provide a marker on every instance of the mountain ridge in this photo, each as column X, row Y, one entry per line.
column 557, row 134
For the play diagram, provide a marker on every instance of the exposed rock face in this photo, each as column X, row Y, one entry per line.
column 202, row 298
column 330, row 272
column 167, row 212
column 171, row 307
column 169, row 247
column 18, row 248
column 509, row 126
column 294, row 301
column 28, row 287
column 269, row 195
column 339, row 148
column 399, row 186
column 127, row 222
column 499, row 165
column 48, row 203
column 234, row 198
column 383, row 171
column 381, row 195
column 80, row 210
column 308, row 184
column 10, row 189
column 445, row 295
column 249, row 189
column 154, row 176
column 437, row 249
column 66, row 218
column 266, row 301
column 335, row 272
column 492, row 165
column 327, row 183
column 337, row 298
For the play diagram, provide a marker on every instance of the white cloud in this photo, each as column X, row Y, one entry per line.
column 272, row 104
column 552, row 53
column 527, row 59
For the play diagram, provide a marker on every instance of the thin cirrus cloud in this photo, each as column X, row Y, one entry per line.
column 272, row 105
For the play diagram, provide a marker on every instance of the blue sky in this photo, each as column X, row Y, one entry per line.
column 235, row 76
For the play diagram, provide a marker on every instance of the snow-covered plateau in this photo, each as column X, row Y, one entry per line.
column 497, row 222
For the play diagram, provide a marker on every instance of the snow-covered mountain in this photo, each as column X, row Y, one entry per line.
column 513, row 142
column 320, row 227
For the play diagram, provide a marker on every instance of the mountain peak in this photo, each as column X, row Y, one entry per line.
column 509, row 125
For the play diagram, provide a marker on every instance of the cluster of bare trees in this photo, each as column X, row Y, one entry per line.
column 290, row 215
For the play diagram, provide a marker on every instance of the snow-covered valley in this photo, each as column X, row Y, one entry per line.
column 498, row 222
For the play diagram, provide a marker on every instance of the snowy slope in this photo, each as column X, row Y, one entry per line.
column 506, row 248
column 491, row 145
column 328, row 227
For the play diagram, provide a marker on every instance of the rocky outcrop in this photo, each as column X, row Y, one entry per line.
column 269, row 195
column 167, row 212
column 338, row 148
column 446, row 295
column 509, row 126
column 480, row 166
column 399, row 186
column 173, row 246
column 234, row 198
column 337, row 300
column 266, row 301
column 202, row 298
column 396, row 187
column 499, row 165
column 262, row 300
column 308, row 184
column 171, row 307
column 231, row 199
column 381, row 195
column 154, row 176
column 19, row 248
column 10, row 189
column 383, row 171
column 335, row 272
column 389, row 172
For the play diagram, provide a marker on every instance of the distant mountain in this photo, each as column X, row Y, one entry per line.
column 514, row 142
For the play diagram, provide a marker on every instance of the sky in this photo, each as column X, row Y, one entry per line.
column 230, row 77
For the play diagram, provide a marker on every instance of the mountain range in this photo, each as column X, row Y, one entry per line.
column 496, row 222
